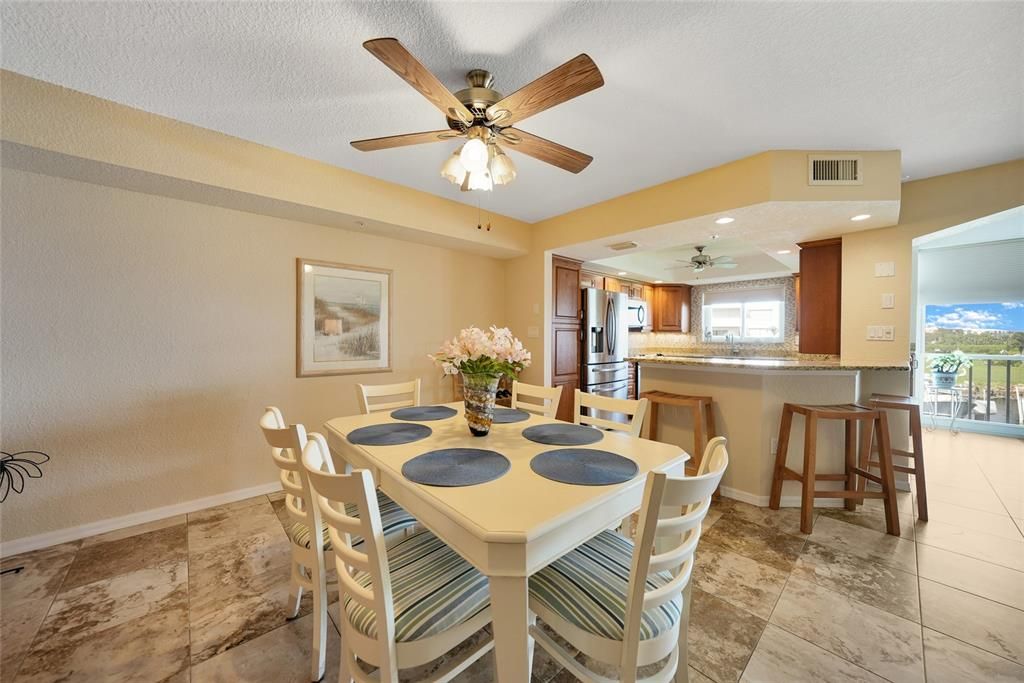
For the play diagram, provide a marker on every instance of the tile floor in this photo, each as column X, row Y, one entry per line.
column 201, row 598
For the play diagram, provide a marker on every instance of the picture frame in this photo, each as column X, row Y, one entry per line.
column 342, row 319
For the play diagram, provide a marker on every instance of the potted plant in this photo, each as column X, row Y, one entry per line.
column 481, row 358
column 945, row 368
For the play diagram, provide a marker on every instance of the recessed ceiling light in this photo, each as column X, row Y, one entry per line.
column 622, row 272
column 715, row 237
column 658, row 282
column 724, row 220
column 861, row 217
column 784, row 251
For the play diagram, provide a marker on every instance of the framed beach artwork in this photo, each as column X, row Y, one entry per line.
column 343, row 320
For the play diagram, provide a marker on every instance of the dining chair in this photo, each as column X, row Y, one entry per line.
column 307, row 565
column 623, row 603
column 401, row 606
column 410, row 390
column 547, row 398
column 635, row 410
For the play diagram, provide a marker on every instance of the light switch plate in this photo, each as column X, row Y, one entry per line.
column 888, row 301
column 885, row 269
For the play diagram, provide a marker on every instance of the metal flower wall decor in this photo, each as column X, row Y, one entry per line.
column 14, row 467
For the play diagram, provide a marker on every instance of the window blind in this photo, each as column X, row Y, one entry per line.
column 743, row 296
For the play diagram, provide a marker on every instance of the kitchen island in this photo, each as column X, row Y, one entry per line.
column 748, row 396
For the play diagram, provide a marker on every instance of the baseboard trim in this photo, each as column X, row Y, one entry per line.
column 785, row 501
column 45, row 540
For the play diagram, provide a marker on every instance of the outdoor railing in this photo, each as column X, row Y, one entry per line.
column 993, row 390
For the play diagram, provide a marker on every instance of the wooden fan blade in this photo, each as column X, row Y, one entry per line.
column 577, row 76
column 398, row 59
column 549, row 152
column 373, row 144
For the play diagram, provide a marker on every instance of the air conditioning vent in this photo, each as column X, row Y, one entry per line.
column 623, row 246
column 834, row 170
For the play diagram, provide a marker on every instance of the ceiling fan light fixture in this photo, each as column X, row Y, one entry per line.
column 503, row 171
column 474, row 154
column 452, row 170
column 480, row 180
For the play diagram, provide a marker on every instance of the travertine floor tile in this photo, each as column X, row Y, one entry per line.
column 99, row 561
column 981, row 578
column 738, row 580
column 872, row 545
column 873, row 639
column 876, row 584
column 989, row 625
column 781, row 656
column 283, row 655
column 979, row 545
column 952, row 661
column 767, row 546
column 721, row 637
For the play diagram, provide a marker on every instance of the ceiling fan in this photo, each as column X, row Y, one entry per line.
column 483, row 116
column 701, row 261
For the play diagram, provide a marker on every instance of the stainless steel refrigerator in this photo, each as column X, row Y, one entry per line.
column 603, row 367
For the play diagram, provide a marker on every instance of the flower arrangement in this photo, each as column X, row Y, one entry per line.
column 477, row 352
column 950, row 363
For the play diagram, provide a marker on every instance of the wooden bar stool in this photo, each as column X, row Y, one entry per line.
column 868, row 419
column 913, row 408
column 703, row 420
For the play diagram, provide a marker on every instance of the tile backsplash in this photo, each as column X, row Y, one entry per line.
column 669, row 342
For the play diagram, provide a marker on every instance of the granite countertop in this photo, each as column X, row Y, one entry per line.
column 760, row 363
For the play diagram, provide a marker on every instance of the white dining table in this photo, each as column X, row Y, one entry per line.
column 512, row 526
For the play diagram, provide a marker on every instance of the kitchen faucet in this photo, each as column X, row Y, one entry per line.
column 730, row 339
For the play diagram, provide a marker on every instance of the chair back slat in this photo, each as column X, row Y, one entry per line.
column 368, row 392
column 286, row 443
column 547, row 398
column 635, row 410
column 334, row 495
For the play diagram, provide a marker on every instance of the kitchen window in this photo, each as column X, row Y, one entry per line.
column 744, row 315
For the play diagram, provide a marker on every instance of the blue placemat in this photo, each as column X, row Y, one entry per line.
column 424, row 413
column 503, row 416
column 584, row 466
column 562, row 434
column 390, row 434
column 456, row 467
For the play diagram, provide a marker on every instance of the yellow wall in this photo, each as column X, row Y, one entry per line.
column 142, row 337
column 928, row 206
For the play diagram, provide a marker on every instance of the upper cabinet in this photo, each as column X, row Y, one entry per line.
column 612, row 284
column 565, row 276
column 648, row 297
column 821, row 272
column 589, row 279
column 672, row 308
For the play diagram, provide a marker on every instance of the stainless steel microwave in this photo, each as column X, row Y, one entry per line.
column 636, row 314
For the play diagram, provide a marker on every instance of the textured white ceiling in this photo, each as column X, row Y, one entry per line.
column 689, row 85
column 669, row 264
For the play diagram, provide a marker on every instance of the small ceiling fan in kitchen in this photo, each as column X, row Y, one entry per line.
column 702, row 261
column 483, row 117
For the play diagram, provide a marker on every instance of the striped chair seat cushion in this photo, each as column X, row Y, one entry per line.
column 393, row 517
column 588, row 588
column 433, row 589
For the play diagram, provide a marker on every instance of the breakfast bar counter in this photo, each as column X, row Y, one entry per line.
column 748, row 395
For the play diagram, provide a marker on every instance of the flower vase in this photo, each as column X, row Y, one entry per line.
column 479, row 391
column 944, row 380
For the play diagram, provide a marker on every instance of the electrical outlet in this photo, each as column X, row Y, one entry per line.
column 532, row 331
column 888, row 301
column 536, row 309
column 888, row 333
column 773, row 448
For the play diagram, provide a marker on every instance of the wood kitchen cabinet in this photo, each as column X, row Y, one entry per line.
column 821, row 272
column 565, row 332
column 634, row 290
column 672, row 308
column 589, row 279
column 612, row 284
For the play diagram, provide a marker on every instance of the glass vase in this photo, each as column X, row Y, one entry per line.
column 478, row 391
